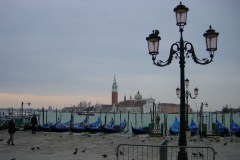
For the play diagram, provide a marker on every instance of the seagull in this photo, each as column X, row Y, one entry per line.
column 75, row 152
column 33, row 148
column 201, row 155
column 84, row 149
column 104, row 155
column 194, row 154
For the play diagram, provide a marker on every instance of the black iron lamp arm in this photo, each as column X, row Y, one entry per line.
column 191, row 51
column 161, row 63
column 190, row 95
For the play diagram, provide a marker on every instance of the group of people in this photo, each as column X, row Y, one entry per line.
column 12, row 128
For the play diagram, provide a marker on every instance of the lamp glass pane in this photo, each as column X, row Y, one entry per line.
column 153, row 45
column 181, row 16
column 211, row 43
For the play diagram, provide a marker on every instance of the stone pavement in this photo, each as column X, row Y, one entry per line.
column 225, row 147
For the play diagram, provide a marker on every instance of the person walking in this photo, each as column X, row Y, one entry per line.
column 34, row 123
column 11, row 131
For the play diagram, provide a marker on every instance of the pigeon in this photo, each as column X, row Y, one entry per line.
column 121, row 153
column 33, row 148
column 231, row 140
column 201, row 155
column 38, row 148
column 201, row 139
column 143, row 140
column 225, row 143
column 60, row 136
column 13, row 159
column 89, row 135
column 75, row 152
column 84, row 150
column 194, row 154
column 104, row 155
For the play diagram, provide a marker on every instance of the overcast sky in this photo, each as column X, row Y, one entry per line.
column 58, row 52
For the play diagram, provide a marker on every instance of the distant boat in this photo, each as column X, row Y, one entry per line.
column 193, row 128
column 175, row 128
column 86, row 113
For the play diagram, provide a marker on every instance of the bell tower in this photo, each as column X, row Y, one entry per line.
column 114, row 92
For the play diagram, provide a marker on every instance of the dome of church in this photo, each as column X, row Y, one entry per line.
column 138, row 96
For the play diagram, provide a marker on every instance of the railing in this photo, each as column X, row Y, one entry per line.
column 161, row 152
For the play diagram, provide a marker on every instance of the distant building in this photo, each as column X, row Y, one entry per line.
column 136, row 105
column 168, row 108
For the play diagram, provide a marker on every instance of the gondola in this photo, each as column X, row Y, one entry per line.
column 79, row 127
column 60, row 127
column 46, row 127
column 94, row 127
column 221, row 130
column 175, row 128
column 235, row 128
column 141, row 130
column 115, row 128
column 193, row 128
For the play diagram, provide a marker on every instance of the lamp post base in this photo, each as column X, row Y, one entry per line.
column 182, row 155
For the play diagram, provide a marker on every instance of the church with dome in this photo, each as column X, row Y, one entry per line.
column 136, row 105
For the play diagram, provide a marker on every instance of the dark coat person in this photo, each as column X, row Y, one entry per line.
column 34, row 124
column 11, row 131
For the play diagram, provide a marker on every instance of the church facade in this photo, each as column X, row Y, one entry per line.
column 136, row 105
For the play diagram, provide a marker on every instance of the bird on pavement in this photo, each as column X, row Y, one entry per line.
column 194, row 154
column 38, row 148
column 121, row 153
column 33, row 148
column 84, row 150
column 104, row 155
column 75, row 152
column 225, row 143
column 201, row 155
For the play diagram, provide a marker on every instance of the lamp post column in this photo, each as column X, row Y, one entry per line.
column 182, row 154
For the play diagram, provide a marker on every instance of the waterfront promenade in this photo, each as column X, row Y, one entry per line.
column 60, row 146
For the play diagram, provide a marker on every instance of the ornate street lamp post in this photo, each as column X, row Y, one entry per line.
column 188, row 94
column 178, row 50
